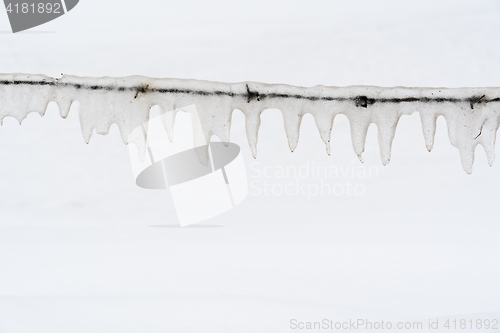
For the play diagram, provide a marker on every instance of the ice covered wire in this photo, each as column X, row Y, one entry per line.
column 472, row 114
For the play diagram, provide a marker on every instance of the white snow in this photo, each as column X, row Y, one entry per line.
column 79, row 250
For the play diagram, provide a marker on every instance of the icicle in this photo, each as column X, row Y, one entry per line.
column 486, row 123
column 292, row 128
column 461, row 132
column 487, row 137
column 168, row 120
column 252, row 123
column 359, row 121
column 324, row 117
column 386, row 118
column 428, row 119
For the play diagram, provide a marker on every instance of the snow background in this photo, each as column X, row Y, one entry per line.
column 82, row 249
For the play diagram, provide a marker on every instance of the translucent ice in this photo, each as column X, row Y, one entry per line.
column 471, row 113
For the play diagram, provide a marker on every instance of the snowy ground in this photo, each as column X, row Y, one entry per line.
column 82, row 249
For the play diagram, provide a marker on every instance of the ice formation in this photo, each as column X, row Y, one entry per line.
column 471, row 113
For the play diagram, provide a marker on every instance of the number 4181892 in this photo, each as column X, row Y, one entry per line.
column 471, row 324
column 40, row 8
